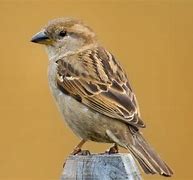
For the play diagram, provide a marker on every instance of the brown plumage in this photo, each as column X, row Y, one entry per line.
column 101, row 84
column 83, row 70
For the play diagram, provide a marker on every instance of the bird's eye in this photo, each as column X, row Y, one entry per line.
column 62, row 33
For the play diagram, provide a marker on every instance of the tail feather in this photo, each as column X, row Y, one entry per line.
column 149, row 160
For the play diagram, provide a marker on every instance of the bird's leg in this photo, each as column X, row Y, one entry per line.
column 112, row 150
column 77, row 149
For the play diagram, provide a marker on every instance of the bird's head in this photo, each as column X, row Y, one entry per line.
column 65, row 34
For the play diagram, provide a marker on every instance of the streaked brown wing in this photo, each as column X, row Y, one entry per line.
column 96, row 79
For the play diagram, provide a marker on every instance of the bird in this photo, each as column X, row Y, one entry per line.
column 93, row 93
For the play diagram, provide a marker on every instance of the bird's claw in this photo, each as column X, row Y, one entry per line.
column 112, row 150
column 84, row 153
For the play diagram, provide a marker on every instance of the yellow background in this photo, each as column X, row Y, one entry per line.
column 154, row 42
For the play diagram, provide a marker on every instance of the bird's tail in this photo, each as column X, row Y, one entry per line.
column 147, row 157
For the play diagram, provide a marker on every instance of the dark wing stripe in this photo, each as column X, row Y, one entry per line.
column 117, row 86
column 121, row 99
column 103, row 87
column 62, row 89
column 94, row 64
column 101, row 55
column 106, row 65
column 92, row 87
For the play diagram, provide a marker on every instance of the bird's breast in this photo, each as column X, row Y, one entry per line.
column 85, row 122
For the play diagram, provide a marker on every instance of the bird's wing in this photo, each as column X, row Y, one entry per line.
column 95, row 78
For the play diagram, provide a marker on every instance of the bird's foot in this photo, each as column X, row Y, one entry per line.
column 112, row 150
column 84, row 153
column 78, row 151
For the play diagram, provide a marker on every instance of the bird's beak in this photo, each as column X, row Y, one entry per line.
column 41, row 38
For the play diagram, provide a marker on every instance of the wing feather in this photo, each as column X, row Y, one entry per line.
column 99, row 82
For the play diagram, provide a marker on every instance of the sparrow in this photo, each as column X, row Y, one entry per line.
column 93, row 93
